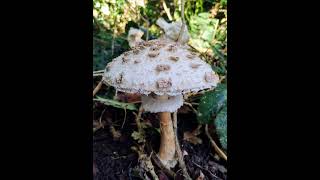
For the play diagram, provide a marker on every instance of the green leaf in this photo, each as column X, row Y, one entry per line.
column 116, row 104
column 210, row 103
column 138, row 136
column 208, row 34
column 221, row 126
column 216, row 50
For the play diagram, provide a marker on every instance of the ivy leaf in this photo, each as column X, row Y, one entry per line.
column 210, row 103
column 221, row 126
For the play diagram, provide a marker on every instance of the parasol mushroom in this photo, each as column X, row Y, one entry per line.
column 161, row 70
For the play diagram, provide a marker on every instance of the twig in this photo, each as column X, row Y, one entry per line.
column 166, row 9
column 197, row 130
column 97, row 23
column 144, row 19
column 98, row 87
column 216, row 148
column 182, row 20
column 100, row 119
column 215, row 31
column 100, row 41
column 96, row 75
column 178, row 149
column 190, row 105
column 222, row 78
column 100, row 71
column 148, row 24
column 125, row 117
column 138, row 117
column 115, row 134
column 205, row 169
column 97, row 125
column 135, row 102
column 112, row 44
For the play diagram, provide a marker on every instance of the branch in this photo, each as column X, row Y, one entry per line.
column 98, row 87
column 216, row 148
column 166, row 9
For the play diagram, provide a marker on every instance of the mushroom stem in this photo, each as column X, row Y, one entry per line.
column 167, row 147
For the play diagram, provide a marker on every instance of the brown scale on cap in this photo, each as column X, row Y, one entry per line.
column 172, row 47
column 126, row 53
column 155, row 48
column 108, row 67
column 161, row 44
column 119, row 79
column 135, row 51
column 137, row 61
column 140, row 47
column 162, row 67
column 153, row 53
column 125, row 59
column 164, row 83
column 210, row 77
column 193, row 53
column 147, row 43
column 194, row 66
column 190, row 56
column 174, row 58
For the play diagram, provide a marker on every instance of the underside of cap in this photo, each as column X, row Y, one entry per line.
column 155, row 105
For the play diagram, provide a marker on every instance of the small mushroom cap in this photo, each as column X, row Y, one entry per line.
column 155, row 105
column 134, row 36
column 162, row 67
column 173, row 30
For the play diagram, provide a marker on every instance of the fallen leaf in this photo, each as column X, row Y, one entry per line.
column 192, row 138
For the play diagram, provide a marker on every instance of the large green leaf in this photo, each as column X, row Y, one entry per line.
column 116, row 104
column 210, row 103
column 221, row 126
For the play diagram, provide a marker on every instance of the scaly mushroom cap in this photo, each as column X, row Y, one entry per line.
column 162, row 67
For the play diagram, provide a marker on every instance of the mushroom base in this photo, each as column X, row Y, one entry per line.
column 167, row 150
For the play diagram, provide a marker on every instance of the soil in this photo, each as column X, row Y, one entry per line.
column 115, row 160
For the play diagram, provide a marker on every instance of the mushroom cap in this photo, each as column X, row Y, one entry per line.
column 134, row 36
column 173, row 30
column 162, row 67
column 155, row 105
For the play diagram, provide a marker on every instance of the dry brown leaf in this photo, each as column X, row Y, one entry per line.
column 192, row 137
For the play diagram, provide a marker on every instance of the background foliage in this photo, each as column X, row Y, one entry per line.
column 207, row 24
